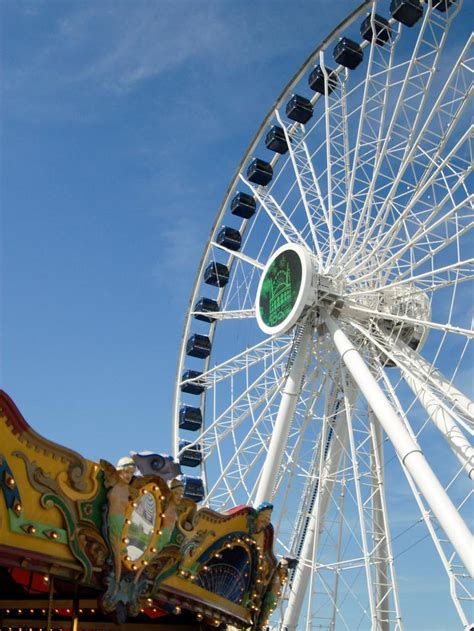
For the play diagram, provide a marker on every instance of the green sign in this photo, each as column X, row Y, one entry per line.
column 280, row 288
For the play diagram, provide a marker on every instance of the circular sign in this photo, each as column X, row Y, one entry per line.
column 284, row 289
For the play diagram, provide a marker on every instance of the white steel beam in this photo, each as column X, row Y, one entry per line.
column 438, row 380
column 384, row 571
column 406, row 447
column 289, row 399
column 445, row 423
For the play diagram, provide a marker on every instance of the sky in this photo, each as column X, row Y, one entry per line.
column 122, row 123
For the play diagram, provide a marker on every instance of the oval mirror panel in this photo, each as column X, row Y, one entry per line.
column 140, row 530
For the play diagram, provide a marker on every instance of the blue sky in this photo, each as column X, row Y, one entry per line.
column 122, row 124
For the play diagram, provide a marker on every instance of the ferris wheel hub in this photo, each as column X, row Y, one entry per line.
column 290, row 286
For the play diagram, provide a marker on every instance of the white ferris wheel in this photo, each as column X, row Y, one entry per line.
column 325, row 363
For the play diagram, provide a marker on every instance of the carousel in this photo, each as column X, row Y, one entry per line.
column 93, row 546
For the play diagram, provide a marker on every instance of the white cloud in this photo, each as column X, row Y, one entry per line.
column 183, row 244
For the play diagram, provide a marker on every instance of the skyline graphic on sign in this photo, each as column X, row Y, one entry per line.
column 280, row 288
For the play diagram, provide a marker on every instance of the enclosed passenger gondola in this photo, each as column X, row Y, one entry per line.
column 317, row 83
column 203, row 306
column 198, row 346
column 190, row 418
column 190, row 456
column 408, row 12
column 230, row 238
column 243, row 205
column 193, row 488
column 216, row 274
column 299, row 109
column 348, row 53
column 192, row 387
column 377, row 24
column 260, row 172
column 275, row 140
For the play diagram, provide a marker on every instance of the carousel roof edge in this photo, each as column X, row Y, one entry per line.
column 17, row 424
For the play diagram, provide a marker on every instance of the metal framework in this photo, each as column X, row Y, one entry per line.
column 366, row 395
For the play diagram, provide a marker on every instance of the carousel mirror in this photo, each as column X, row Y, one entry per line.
column 142, row 524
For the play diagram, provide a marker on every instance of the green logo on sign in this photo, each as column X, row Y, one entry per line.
column 280, row 288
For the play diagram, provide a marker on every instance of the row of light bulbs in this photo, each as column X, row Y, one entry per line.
column 177, row 610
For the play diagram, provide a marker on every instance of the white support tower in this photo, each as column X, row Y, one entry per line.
column 405, row 446
column 289, row 399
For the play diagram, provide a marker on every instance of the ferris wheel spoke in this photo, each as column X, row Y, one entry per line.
column 236, row 314
column 286, row 411
column 308, row 184
column 368, row 142
column 249, row 400
column 447, row 328
column 243, row 470
column 441, row 391
column 440, row 383
column 430, row 239
column 239, row 255
column 458, row 272
column 444, row 420
column 337, row 155
column 385, row 578
column 229, row 422
column 260, row 352
column 428, row 256
column 301, row 460
column 291, row 466
column 415, row 173
column 248, row 439
column 240, row 289
column 413, row 94
column 248, row 447
column 448, row 176
column 415, row 230
column 275, row 213
column 331, row 444
column 376, row 556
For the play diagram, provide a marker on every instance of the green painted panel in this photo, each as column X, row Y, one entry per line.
column 280, row 288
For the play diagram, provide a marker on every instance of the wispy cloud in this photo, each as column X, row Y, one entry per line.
column 183, row 242
column 113, row 47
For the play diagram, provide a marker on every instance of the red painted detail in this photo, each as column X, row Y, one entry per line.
column 241, row 508
column 13, row 414
column 158, row 613
column 33, row 582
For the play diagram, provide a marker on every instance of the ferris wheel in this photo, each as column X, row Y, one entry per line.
column 325, row 363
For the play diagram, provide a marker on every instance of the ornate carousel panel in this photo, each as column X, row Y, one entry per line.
column 87, row 545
